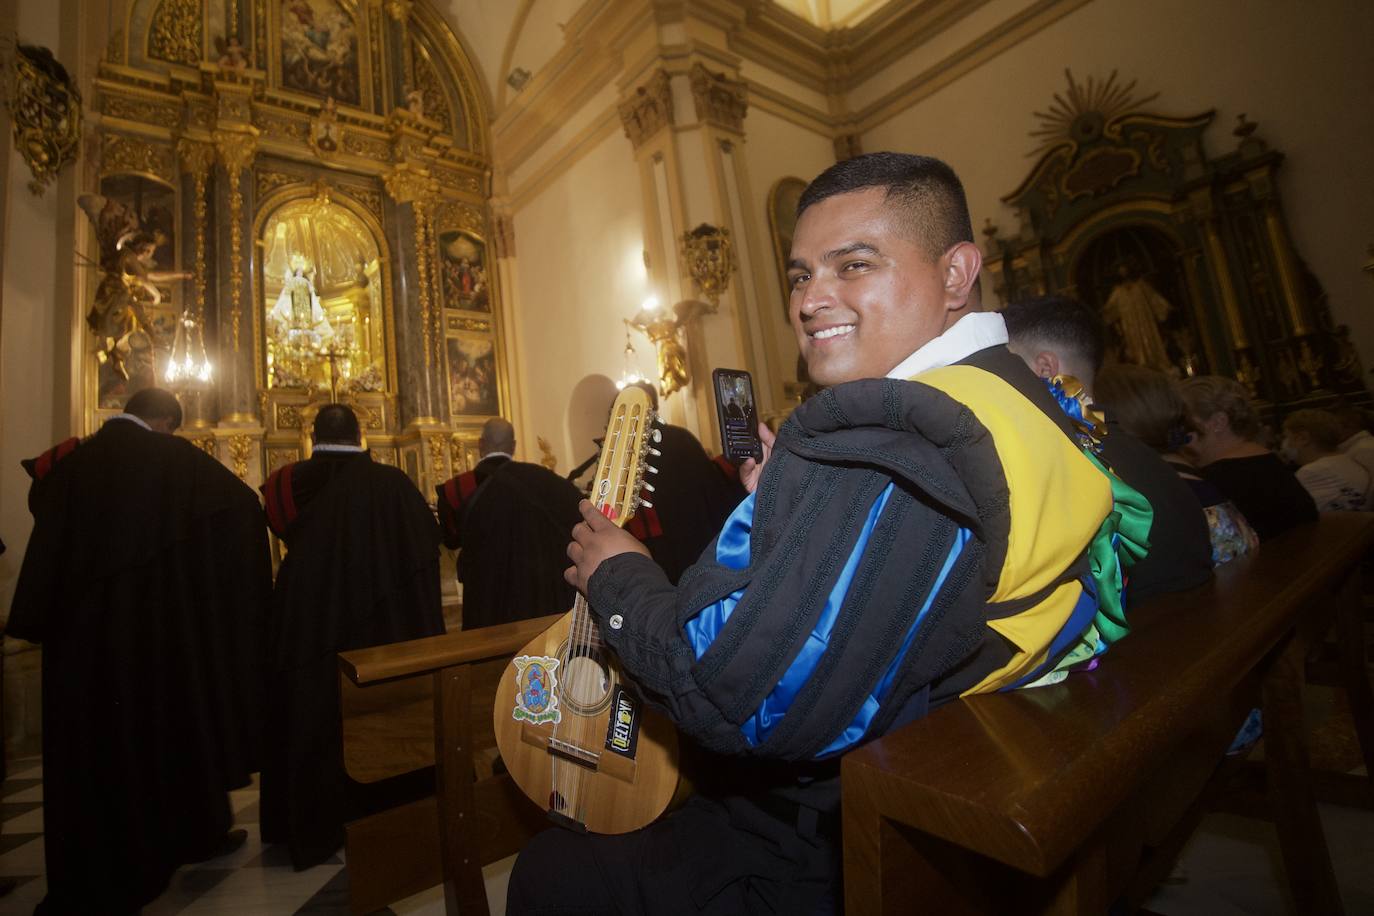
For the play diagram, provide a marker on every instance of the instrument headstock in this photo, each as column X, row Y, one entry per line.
column 630, row 438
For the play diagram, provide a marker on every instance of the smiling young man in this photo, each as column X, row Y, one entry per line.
column 918, row 531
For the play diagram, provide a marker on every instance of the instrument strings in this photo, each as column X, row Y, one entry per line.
column 580, row 681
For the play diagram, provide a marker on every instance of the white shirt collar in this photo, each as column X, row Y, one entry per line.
column 496, row 455
column 1359, row 437
column 336, row 447
column 974, row 332
column 130, row 417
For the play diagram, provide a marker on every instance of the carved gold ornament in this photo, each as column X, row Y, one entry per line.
column 46, row 109
column 236, row 152
column 547, row 458
column 240, row 450
column 175, row 34
column 710, row 257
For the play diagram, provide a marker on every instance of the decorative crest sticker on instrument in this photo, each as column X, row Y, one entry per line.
column 536, row 690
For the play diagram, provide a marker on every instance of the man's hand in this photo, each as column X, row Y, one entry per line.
column 750, row 470
column 596, row 539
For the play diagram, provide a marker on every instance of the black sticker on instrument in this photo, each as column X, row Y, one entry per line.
column 622, row 731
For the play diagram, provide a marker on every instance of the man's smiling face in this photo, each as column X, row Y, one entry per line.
column 865, row 294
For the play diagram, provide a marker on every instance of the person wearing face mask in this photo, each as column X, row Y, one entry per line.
column 1226, row 450
column 1336, row 482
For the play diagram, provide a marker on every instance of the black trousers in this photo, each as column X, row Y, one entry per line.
column 712, row 857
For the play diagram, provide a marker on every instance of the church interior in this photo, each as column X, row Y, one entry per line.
column 445, row 211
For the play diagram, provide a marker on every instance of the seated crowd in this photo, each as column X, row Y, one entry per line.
column 759, row 606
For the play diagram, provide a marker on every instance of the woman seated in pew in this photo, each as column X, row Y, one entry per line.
column 1227, row 450
column 1147, row 404
column 1336, row 481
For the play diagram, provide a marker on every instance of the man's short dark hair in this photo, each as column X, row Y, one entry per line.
column 155, row 404
column 337, row 424
column 1060, row 324
column 923, row 189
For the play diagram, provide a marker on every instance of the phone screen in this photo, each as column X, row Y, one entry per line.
column 739, row 420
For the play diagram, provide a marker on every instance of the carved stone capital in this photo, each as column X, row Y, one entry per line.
column 648, row 110
column 197, row 158
column 236, row 149
column 407, row 184
column 719, row 100
column 847, row 146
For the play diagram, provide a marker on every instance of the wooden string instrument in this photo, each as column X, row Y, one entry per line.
column 572, row 730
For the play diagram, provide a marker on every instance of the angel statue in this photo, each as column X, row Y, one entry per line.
column 126, row 339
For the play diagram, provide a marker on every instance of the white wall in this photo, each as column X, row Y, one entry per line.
column 775, row 149
column 35, row 394
column 580, row 271
column 1303, row 71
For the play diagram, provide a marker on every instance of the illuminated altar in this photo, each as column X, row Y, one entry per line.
column 291, row 208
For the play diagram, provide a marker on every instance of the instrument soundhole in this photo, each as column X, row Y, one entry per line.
column 586, row 684
column 556, row 801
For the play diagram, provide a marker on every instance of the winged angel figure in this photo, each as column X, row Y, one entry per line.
column 126, row 339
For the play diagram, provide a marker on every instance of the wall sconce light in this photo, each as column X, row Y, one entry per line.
column 629, row 374
column 710, row 256
column 661, row 326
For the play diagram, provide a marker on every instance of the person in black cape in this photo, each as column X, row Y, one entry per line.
column 693, row 495
column 146, row 581
column 509, row 520
column 361, row 569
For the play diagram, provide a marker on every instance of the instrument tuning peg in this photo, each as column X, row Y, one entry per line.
column 655, row 452
column 646, row 486
column 650, row 468
column 646, row 504
column 658, row 420
column 658, row 435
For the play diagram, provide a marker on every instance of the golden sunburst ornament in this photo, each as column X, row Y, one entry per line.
column 1083, row 113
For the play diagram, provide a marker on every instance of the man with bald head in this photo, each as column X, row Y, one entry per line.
column 146, row 581
column 361, row 569
column 509, row 521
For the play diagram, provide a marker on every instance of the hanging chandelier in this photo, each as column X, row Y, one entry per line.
column 188, row 365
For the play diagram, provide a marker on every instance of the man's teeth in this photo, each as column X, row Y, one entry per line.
column 833, row 332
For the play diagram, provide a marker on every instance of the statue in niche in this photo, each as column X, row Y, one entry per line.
column 126, row 337
column 1136, row 310
column 232, row 56
column 298, row 319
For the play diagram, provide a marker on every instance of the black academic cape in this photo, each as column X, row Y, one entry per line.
column 361, row 569
column 511, row 522
column 146, row 580
column 692, row 497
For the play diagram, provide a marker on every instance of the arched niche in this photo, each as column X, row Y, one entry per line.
column 324, row 301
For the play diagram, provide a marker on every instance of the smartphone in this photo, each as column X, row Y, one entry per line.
column 739, row 418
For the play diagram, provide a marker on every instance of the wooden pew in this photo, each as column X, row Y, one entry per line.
column 1052, row 800
column 427, row 703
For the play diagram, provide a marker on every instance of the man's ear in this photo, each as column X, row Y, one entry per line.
column 1046, row 364
column 961, row 265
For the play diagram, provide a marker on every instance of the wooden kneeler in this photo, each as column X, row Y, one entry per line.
column 427, row 703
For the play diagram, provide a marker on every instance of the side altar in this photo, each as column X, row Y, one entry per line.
column 291, row 208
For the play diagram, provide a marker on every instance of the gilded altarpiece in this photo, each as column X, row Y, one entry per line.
column 1187, row 255
column 307, row 182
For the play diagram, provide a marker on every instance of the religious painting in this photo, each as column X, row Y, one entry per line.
column 782, row 220
column 463, row 266
column 319, row 50
column 472, row 388
column 133, row 316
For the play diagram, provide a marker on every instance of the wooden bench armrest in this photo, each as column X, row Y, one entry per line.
column 1026, row 777
column 421, row 656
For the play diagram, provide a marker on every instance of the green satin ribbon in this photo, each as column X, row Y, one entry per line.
column 1121, row 541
